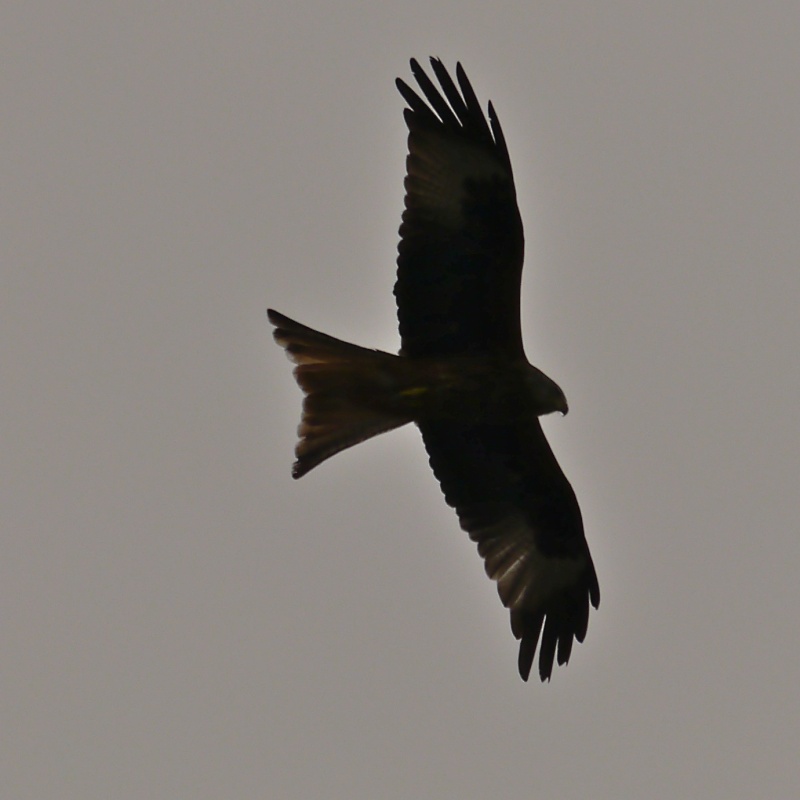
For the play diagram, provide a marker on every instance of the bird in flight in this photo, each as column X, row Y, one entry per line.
column 461, row 374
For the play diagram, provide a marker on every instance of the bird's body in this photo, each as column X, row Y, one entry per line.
column 461, row 374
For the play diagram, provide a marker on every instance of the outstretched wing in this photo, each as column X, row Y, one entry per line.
column 461, row 249
column 515, row 502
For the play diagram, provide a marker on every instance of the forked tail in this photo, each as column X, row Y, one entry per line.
column 350, row 394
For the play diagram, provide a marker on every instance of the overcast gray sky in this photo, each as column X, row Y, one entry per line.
column 181, row 619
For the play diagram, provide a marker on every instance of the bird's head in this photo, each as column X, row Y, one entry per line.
column 547, row 394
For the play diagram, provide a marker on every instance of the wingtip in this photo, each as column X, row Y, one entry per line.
column 417, row 67
column 594, row 590
column 298, row 470
column 276, row 318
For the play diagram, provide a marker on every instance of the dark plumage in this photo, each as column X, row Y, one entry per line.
column 461, row 374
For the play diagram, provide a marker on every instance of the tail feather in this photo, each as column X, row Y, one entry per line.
column 304, row 345
column 346, row 392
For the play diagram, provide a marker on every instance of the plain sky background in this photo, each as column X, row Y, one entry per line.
column 181, row 619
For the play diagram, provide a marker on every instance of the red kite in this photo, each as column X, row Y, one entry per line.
column 461, row 374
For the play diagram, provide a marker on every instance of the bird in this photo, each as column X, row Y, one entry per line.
column 461, row 374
